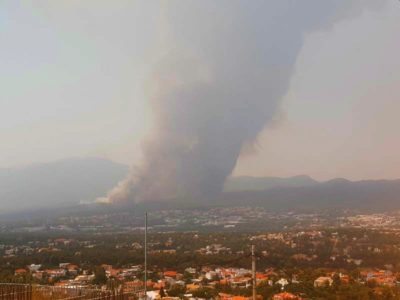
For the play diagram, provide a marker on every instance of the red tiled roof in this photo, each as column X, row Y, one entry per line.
column 170, row 273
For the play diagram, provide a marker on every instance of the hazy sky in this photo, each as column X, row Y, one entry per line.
column 73, row 77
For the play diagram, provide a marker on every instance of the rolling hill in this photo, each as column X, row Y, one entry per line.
column 367, row 195
column 248, row 183
column 67, row 183
column 57, row 184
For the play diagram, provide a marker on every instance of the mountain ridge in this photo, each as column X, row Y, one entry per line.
column 70, row 182
column 60, row 183
column 242, row 183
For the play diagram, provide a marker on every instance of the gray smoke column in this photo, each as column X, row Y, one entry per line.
column 228, row 68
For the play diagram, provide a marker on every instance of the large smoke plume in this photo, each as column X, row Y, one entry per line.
column 218, row 87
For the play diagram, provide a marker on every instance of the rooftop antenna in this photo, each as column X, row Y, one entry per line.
column 145, row 256
column 254, row 274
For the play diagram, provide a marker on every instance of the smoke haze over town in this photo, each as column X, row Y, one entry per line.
column 82, row 89
column 199, row 150
column 190, row 93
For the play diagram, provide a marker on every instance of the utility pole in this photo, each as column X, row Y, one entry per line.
column 253, row 268
column 145, row 256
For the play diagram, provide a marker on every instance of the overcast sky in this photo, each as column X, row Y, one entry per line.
column 73, row 77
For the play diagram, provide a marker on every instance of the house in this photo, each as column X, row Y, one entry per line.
column 62, row 283
column 170, row 274
column 84, row 278
column 106, row 267
column 20, row 272
column 192, row 287
column 242, row 282
column 191, row 270
column 282, row 282
column 9, row 252
column 261, row 277
column 55, row 273
column 210, row 275
column 136, row 246
column 72, row 269
column 344, row 278
column 125, row 273
column 323, row 281
column 153, row 295
column 34, row 268
column 286, row 296
column 240, row 298
column 132, row 286
column 381, row 277
column 112, row 272
column 38, row 275
column 159, row 284
column 223, row 296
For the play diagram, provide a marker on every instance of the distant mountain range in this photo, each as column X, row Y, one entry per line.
column 57, row 184
column 247, row 183
column 367, row 195
column 70, row 182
